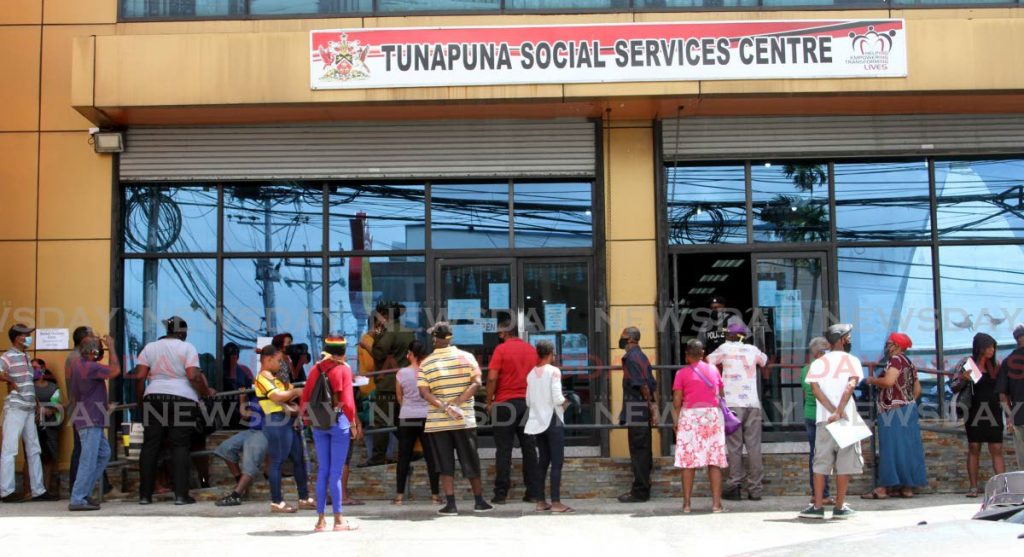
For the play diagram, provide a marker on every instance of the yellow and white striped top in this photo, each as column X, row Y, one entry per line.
column 448, row 372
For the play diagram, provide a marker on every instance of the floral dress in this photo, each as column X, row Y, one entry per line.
column 700, row 435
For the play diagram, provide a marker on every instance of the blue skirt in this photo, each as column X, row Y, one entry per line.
column 900, row 451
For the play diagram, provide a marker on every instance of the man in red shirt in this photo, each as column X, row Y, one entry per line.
column 510, row 364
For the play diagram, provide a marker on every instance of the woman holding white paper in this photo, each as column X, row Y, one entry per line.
column 984, row 416
column 901, row 454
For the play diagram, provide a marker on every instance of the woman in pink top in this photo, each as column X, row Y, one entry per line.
column 700, row 425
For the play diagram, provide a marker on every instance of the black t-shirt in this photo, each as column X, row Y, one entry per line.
column 1011, row 383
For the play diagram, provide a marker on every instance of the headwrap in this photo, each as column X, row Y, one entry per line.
column 335, row 345
column 901, row 340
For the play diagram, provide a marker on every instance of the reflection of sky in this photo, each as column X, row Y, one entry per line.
column 469, row 207
column 882, row 201
column 552, row 215
column 976, row 218
column 296, row 218
column 981, row 284
column 280, row 7
column 186, row 288
column 768, row 182
column 390, row 211
column 198, row 209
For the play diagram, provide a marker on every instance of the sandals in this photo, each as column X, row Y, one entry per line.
column 972, row 493
column 686, row 510
column 345, row 527
column 398, row 501
column 719, row 510
column 320, row 527
column 307, row 504
column 564, row 510
column 907, row 493
column 435, row 499
column 282, row 508
column 874, row 495
column 542, row 508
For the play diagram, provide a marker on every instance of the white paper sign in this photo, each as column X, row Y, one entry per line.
column 846, row 432
column 554, row 317
column 497, row 295
column 467, row 335
column 463, row 309
column 488, row 324
column 52, row 339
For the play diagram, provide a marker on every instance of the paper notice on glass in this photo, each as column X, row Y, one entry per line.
column 788, row 316
column 554, row 317
column 974, row 369
column 263, row 341
column 471, row 335
column 847, row 432
column 52, row 339
column 766, row 293
column 497, row 295
column 489, row 324
column 463, row 309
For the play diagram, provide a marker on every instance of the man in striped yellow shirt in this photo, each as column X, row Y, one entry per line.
column 448, row 379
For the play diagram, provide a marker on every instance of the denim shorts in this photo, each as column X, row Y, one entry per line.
column 246, row 448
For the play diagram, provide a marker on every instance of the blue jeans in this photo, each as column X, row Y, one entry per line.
column 91, row 464
column 331, row 452
column 283, row 442
column 812, row 432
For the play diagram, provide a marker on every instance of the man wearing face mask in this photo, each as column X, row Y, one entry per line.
column 712, row 332
column 639, row 413
column 506, row 405
column 19, row 418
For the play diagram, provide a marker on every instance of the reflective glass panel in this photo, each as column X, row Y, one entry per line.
column 654, row 4
column 265, row 296
column 273, row 217
column 564, row 4
column 143, row 9
column 553, row 215
column 469, row 216
column 790, row 201
column 374, row 217
column 437, row 5
column 358, row 284
column 284, row 7
column 980, row 199
column 706, row 205
column 882, row 201
column 171, row 220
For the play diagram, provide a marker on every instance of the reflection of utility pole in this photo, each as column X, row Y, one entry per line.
column 311, row 286
column 267, row 275
column 150, row 273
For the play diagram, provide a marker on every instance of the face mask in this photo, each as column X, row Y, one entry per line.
column 847, row 347
column 28, row 342
column 623, row 342
column 37, row 374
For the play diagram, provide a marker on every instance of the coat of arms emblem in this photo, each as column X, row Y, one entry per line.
column 344, row 60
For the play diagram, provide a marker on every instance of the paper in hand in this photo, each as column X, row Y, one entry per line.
column 974, row 369
column 846, row 432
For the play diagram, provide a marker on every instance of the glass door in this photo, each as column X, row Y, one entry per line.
column 556, row 306
column 474, row 296
column 791, row 308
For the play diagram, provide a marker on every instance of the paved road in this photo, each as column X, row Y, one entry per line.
column 602, row 527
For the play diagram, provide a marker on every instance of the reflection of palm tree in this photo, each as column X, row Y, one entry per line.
column 806, row 176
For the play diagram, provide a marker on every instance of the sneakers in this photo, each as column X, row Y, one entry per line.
column 448, row 510
column 482, row 507
column 499, row 500
column 230, row 500
column 813, row 513
column 46, row 496
column 734, row 494
column 86, row 506
column 631, row 498
column 843, row 513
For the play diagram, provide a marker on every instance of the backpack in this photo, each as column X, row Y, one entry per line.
column 320, row 409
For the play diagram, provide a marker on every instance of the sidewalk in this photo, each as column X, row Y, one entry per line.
column 601, row 526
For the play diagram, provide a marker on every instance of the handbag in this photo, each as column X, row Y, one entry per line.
column 732, row 421
column 963, row 393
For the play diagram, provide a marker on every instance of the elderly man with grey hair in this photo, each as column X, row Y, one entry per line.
column 639, row 413
column 815, row 349
column 1010, row 387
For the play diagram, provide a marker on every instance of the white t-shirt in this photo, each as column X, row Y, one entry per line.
column 738, row 363
column 832, row 372
column 167, row 359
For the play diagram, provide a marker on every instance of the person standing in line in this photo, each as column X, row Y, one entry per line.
column 170, row 408
column 639, row 413
column 390, row 349
column 237, row 376
column 328, row 402
column 699, row 424
column 546, row 425
column 19, row 418
column 816, row 349
column 277, row 399
column 411, row 422
column 739, row 363
column 1011, row 391
column 89, row 380
column 507, row 370
column 77, row 336
column 448, row 379
column 833, row 378
column 49, row 419
column 901, row 453
column 984, row 417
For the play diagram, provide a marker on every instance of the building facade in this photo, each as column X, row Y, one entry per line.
column 250, row 202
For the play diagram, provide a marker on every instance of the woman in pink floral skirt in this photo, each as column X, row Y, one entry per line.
column 700, row 426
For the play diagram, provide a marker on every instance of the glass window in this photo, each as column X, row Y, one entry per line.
column 266, row 296
column 981, row 293
column 564, row 4
column 273, row 217
column 143, row 9
column 883, row 290
column 790, row 201
column 553, row 215
column 357, row 284
column 285, row 7
column 980, row 199
column 707, row 205
column 883, row 201
column 437, row 5
column 170, row 220
column 695, row 3
column 157, row 289
column 469, row 216
column 378, row 217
